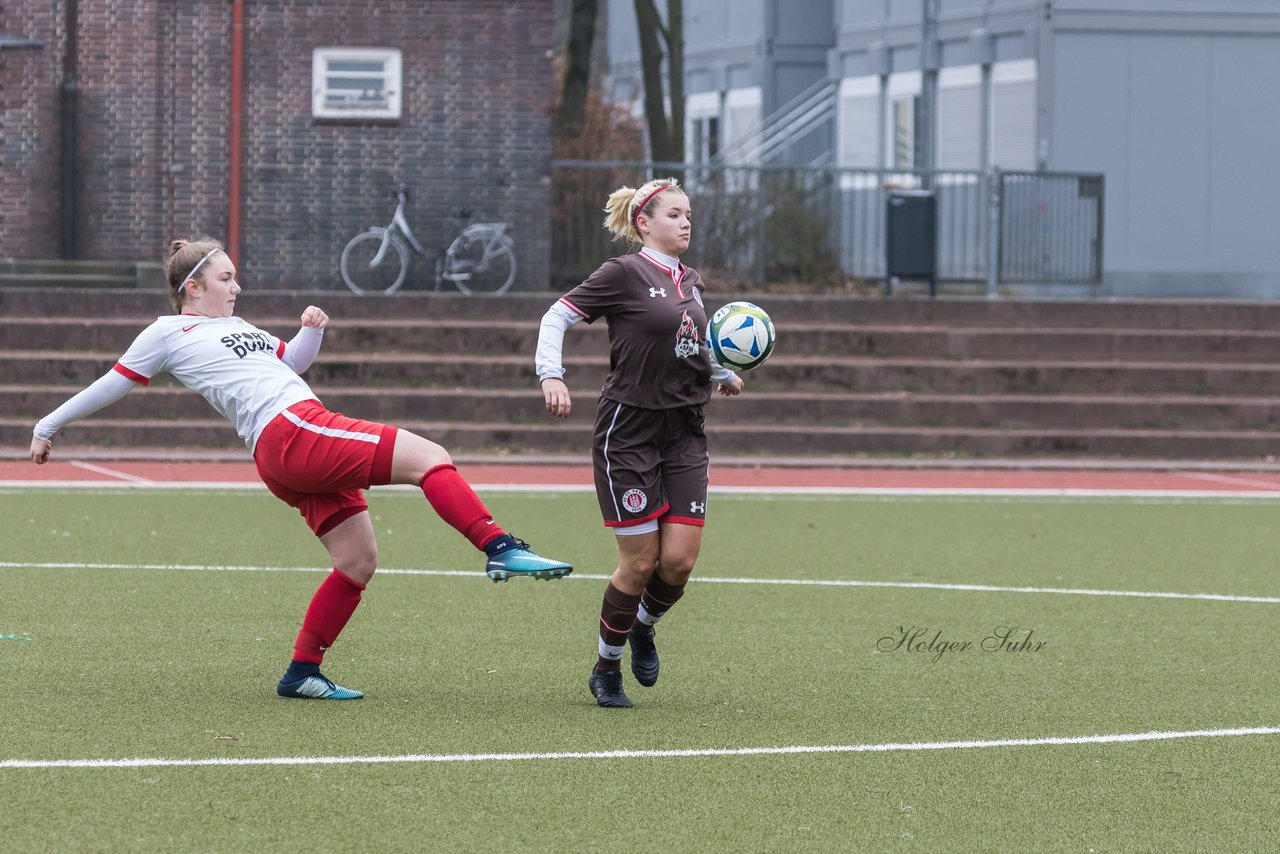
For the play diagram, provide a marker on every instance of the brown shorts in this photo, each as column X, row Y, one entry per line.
column 650, row 464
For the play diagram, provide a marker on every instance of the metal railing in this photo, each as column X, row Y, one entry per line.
column 771, row 223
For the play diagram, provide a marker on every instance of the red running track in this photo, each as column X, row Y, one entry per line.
column 1225, row 482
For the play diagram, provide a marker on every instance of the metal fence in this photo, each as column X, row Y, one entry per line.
column 1050, row 227
column 758, row 224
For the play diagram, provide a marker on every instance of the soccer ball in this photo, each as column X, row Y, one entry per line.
column 741, row 336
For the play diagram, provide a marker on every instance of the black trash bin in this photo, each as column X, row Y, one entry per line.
column 911, row 238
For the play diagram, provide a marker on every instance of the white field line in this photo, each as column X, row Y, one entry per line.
column 1237, row 480
column 10, row 487
column 426, row 758
column 118, row 475
column 783, row 582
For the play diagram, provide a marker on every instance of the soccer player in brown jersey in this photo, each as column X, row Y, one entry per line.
column 649, row 448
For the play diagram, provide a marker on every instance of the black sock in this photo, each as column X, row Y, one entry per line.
column 498, row 545
column 300, row 670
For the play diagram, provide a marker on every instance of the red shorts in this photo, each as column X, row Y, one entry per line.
column 319, row 461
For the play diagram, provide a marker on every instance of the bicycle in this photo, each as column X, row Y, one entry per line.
column 480, row 260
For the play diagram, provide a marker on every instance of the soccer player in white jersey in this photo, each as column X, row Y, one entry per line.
column 314, row 460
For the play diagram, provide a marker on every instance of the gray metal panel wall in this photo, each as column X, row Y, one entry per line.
column 1179, row 123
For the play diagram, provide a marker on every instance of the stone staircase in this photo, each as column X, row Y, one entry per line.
column 851, row 378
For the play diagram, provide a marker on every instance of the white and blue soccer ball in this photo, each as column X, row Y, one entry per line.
column 741, row 336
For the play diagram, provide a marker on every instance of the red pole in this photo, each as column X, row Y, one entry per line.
column 234, row 143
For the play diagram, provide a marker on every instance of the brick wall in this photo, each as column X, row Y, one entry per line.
column 29, row 140
column 154, row 136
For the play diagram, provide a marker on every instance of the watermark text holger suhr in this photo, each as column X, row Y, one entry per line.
column 932, row 643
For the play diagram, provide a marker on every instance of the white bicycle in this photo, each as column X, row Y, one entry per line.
column 480, row 260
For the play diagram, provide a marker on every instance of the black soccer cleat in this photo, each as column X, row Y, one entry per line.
column 644, row 655
column 606, row 686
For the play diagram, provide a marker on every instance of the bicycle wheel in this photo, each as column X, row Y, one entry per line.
column 480, row 262
column 370, row 267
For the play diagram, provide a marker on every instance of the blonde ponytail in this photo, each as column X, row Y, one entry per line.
column 626, row 203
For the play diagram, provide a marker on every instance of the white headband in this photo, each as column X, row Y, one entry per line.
column 192, row 274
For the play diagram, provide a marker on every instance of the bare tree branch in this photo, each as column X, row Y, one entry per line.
column 651, row 57
column 675, row 54
column 577, row 68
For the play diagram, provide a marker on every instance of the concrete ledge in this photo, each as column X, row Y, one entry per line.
column 205, row 455
column 95, row 275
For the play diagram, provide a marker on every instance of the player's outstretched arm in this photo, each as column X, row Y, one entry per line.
column 104, row 391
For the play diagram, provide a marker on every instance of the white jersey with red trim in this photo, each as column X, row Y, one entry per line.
column 241, row 370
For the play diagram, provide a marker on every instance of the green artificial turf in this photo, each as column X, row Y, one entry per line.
column 113, row 652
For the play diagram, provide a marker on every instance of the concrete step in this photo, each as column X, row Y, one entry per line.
column 43, row 266
column 724, row 436
column 144, row 304
column 52, row 275
column 797, row 409
column 781, row 373
column 852, row 378
column 66, row 280
column 519, row 337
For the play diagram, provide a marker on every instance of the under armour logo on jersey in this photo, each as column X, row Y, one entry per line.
column 695, row 507
column 657, row 292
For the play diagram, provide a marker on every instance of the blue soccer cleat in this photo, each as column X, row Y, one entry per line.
column 519, row 562
column 315, row 687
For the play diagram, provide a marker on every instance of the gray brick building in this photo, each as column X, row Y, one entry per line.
column 155, row 138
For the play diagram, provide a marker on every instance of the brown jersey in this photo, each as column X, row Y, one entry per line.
column 658, row 357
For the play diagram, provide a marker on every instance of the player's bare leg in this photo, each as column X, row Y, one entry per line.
column 425, row 464
column 678, row 551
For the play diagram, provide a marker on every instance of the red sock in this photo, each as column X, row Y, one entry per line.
column 457, row 503
column 332, row 605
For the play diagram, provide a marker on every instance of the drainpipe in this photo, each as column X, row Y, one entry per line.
column 930, row 61
column 983, row 54
column 234, row 142
column 68, row 95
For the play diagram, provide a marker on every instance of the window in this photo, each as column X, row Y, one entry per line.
column 355, row 83
column 706, row 139
column 859, row 128
column 905, row 120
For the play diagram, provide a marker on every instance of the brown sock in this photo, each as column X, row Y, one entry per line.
column 616, row 616
column 657, row 599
